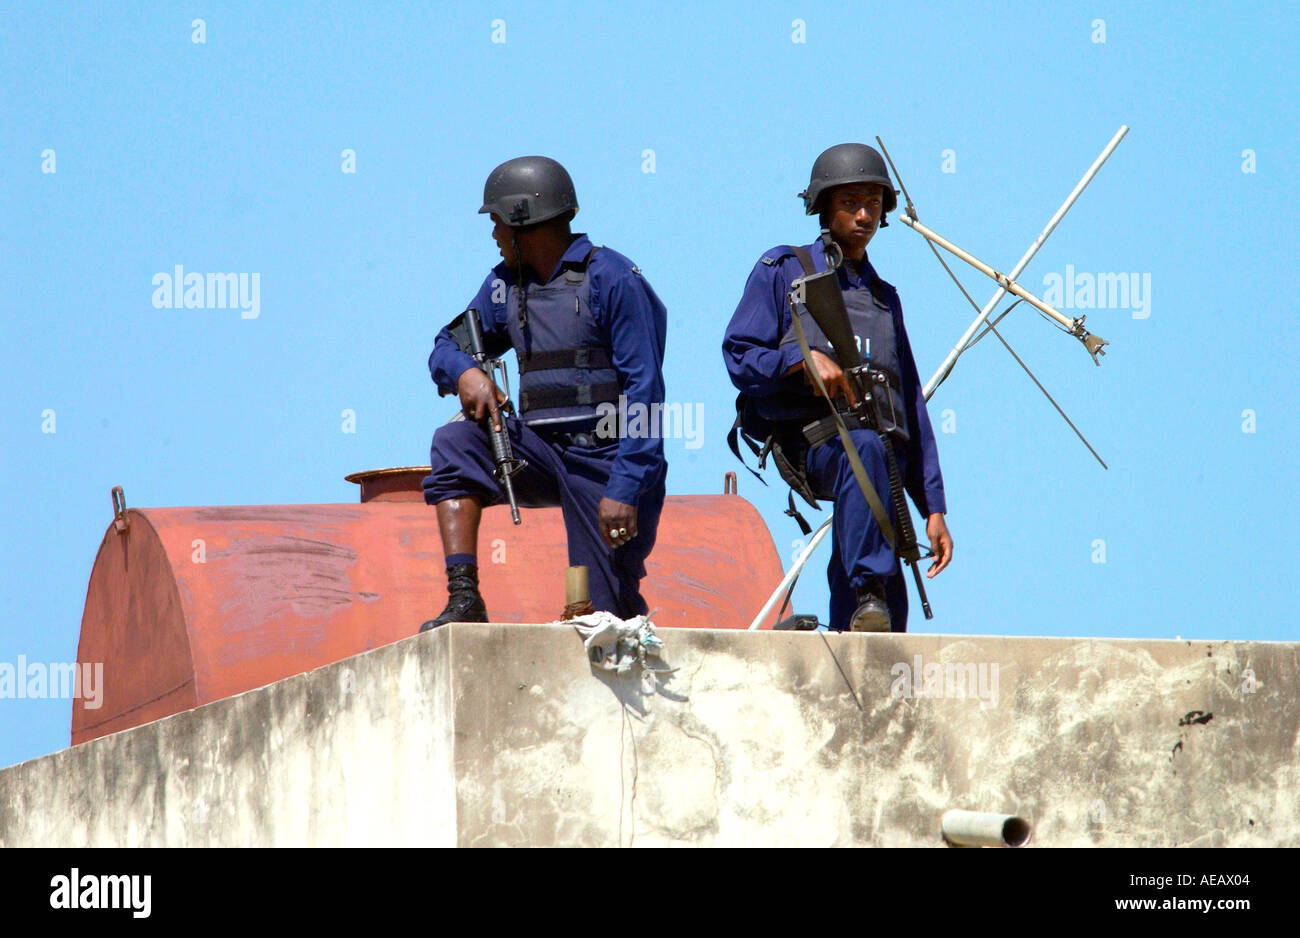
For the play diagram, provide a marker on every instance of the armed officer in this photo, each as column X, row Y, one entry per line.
column 851, row 193
column 586, row 328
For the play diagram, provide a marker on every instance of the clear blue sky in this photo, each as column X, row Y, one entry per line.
column 226, row 156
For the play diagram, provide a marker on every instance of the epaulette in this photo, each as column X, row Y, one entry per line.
column 776, row 255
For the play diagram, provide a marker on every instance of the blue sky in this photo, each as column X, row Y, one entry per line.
column 226, row 155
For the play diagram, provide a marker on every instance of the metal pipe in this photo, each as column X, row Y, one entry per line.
column 1016, row 271
column 794, row 572
column 1006, row 283
column 979, row 829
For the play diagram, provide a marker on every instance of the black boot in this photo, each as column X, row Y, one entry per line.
column 872, row 614
column 465, row 604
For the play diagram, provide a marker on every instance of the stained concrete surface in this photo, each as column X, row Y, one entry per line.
column 479, row 735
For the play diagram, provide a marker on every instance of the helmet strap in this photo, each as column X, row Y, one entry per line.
column 519, row 277
column 833, row 252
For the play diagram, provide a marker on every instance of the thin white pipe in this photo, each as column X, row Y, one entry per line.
column 794, row 572
column 1005, row 283
column 1016, row 271
column 978, row 829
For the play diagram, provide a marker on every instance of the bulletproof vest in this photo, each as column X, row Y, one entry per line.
column 565, row 368
column 872, row 321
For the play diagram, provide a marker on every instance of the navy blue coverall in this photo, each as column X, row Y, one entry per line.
column 566, row 467
column 757, row 361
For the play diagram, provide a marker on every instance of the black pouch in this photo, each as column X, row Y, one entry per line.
column 799, row 622
column 788, row 455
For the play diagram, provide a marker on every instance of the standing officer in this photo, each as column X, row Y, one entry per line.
column 586, row 328
column 851, row 192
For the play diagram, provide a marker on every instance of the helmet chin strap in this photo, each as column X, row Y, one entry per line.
column 834, row 253
column 519, row 274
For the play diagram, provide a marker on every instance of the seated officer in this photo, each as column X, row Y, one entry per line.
column 851, row 192
column 587, row 328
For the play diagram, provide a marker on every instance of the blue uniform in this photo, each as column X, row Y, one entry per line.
column 595, row 304
column 772, row 403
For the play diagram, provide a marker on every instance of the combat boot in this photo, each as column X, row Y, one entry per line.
column 872, row 614
column 464, row 603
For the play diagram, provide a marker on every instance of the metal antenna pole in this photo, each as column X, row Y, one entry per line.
column 961, row 346
column 790, row 576
column 1006, row 283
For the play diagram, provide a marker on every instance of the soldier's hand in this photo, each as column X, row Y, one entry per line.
column 832, row 375
column 617, row 522
column 479, row 396
column 940, row 542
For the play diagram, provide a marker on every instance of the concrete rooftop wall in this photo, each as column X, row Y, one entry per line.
column 505, row 735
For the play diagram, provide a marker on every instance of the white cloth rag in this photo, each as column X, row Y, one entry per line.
column 617, row 644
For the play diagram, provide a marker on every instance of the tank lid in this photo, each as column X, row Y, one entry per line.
column 404, row 484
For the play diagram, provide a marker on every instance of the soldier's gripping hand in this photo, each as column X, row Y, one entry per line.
column 936, row 529
column 832, row 375
column 617, row 522
column 479, row 396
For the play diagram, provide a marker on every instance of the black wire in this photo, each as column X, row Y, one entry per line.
column 1006, row 312
column 1050, row 398
column 788, row 594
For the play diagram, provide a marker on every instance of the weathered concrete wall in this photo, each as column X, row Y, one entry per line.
column 503, row 734
column 359, row 752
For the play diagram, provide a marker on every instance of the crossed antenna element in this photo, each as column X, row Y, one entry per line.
column 1006, row 284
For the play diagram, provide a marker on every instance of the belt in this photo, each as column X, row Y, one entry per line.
column 583, row 439
column 578, row 395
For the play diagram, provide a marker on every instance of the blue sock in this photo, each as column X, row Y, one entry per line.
column 456, row 559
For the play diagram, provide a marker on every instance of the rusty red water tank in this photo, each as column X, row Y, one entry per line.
column 190, row 605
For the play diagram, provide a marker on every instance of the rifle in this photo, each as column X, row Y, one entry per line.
column 467, row 330
column 820, row 295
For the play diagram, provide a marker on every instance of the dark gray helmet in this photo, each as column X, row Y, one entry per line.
column 845, row 163
column 528, row 190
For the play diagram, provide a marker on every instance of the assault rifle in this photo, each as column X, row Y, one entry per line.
column 467, row 330
column 820, row 294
